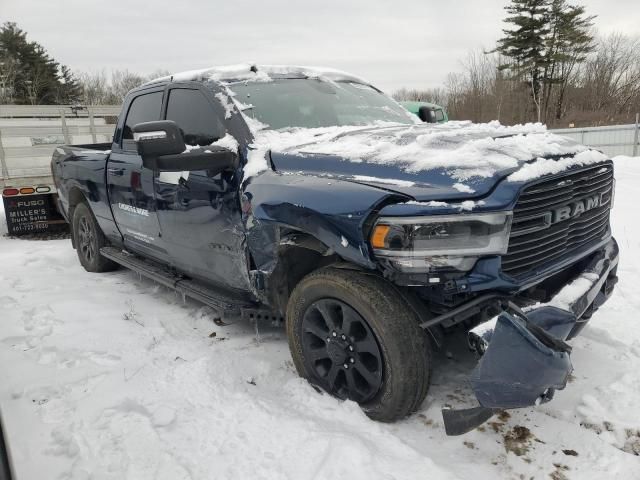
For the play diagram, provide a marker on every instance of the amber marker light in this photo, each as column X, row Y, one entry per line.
column 379, row 234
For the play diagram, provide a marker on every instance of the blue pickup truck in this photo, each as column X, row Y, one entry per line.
column 309, row 197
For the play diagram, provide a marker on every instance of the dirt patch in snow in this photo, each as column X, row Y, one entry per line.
column 558, row 473
column 518, row 440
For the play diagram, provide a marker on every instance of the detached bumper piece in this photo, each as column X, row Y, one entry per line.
column 525, row 358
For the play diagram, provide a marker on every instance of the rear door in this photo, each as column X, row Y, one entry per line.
column 130, row 184
column 200, row 214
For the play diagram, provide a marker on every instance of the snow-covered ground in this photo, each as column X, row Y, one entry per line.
column 108, row 376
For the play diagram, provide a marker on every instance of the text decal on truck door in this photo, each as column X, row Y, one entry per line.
column 132, row 209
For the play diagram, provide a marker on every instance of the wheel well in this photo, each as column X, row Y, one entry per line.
column 75, row 197
column 298, row 256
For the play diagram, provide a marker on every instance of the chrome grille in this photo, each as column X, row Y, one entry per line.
column 535, row 240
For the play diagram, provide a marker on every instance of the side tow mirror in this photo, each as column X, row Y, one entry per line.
column 162, row 148
column 211, row 158
column 154, row 139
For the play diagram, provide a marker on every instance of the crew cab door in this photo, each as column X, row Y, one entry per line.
column 199, row 214
column 130, row 184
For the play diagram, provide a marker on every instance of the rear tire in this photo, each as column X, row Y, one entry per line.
column 89, row 239
column 359, row 306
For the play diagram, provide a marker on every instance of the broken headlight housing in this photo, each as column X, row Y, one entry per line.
column 440, row 242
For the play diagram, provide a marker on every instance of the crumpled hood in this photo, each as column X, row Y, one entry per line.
column 450, row 161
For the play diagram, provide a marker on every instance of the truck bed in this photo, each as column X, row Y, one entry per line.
column 81, row 169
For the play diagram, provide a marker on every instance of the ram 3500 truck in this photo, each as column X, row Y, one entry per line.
column 308, row 195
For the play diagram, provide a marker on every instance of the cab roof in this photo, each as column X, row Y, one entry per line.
column 257, row 73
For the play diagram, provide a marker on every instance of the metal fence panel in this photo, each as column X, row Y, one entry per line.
column 29, row 133
column 612, row 140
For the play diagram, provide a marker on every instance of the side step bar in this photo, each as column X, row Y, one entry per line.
column 227, row 306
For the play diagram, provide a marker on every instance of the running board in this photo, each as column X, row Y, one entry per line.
column 227, row 306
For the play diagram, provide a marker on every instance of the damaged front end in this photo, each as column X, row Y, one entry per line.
column 524, row 356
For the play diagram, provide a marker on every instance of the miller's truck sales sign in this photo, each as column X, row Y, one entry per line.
column 29, row 214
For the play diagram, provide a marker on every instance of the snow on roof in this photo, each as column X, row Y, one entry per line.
column 258, row 73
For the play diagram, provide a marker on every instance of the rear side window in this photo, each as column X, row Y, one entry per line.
column 439, row 115
column 195, row 116
column 145, row 108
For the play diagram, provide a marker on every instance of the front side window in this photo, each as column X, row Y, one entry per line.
column 145, row 108
column 195, row 116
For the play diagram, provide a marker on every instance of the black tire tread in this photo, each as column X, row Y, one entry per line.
column 395, row 323
column 100, row 264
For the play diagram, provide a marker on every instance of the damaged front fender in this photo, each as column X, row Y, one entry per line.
column 331, row 211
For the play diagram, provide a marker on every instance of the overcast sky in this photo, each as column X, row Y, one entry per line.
column 412, row 43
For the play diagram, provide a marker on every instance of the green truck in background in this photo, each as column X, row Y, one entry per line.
column 427, row 112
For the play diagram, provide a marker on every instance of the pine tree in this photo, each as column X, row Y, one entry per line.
column 29, row 75
column 69, row 89
column 548, row 39
column 568, row 44
column 524, row 45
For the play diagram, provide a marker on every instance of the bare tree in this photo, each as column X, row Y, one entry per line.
column 436, row 95
column 36, row 85
column 611, row 78
column 8, row 74
column 603, row 89
column 99, row 89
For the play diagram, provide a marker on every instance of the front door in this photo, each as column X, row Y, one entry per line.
column 200, row 214
column 130, row 184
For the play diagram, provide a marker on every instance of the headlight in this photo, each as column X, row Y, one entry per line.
column 440, row 241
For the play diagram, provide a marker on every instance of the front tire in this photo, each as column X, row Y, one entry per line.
column 354, row 336
column 89, row 239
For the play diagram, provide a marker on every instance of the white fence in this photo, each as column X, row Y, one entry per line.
column 29, row 134
column 612, row 140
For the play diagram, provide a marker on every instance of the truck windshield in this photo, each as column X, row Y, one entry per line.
column 310, row 103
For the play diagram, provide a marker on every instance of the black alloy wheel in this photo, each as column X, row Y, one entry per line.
column 354, row 335
column 341, row 349
column 87, row 240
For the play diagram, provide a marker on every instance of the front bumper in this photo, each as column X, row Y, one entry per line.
column 524, row 355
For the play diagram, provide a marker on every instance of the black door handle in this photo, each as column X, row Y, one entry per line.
column 116, row 171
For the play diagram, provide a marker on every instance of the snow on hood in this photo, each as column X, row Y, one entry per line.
column 469, row 158
column 464, row 149
column 281, row 140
